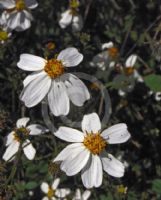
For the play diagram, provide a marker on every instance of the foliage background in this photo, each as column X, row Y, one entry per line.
column 131, row 25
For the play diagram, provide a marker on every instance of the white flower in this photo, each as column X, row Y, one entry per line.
column 105, row 59
column 78, row 196
column 68, row 18
column 71, row 16
column 128, row 78
column 87, row 151
column 5, row 33
column 50, row 80
column 52, row 192
column 158, row 96
column 17, row 13
column 19, row 137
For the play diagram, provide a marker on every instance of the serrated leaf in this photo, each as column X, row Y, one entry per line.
column 153, row 81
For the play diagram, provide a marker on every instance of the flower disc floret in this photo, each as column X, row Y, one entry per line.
column 113, row 52
column 3, row 35
column 128, row 71
column 54, row 68
column 20, row 5
column 95, row 143
column 20, row 134
column 51, row 192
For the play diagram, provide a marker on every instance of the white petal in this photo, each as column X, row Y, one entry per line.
column 77, row 23
column 74, row 163
column 24, row 21
column 34, row 92
column 36, row 129
column 101, row 60
column 32, row 77
column 61, row 193
column 30, row 62
column 67, row 151
column 116, row 134
column 14, row 20
column 55, row 183
column 31, row 4
column 86, row 195
column 44, row 187
column 77, row 91
column 11, row 150
column 66, row 19
column 113, row 166
column 92, row 173
column 70, row 57
column 77, row 195
column 22, row 122
column 45, row 198
column 8, row 4
column 69, row 134
column 131, row 60
column 58, row 99
column 29, row 150
column 138, row 77
column 91, row 123
column 107, row 45
column 10, row 138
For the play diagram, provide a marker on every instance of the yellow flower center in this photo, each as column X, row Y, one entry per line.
column 128, row 70
column 21, row 133
column 20, row 5
column 51, row 192
column 113, row 52
column 94, row 143
column 121, row 189
column 54, row 68
column 74, row 4
column 3, row 35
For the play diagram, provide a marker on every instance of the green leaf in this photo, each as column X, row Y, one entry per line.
column 134, row 35
column 156, row 186
column 153, row 81
column 31, row 185
column 106, row 197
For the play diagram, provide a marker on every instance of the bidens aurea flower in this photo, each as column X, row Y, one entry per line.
column 71, row 16
column 19, row 137
column 128, row 76
column 49, row 79
column 17, row 13
column 52, row 192
column 105, row 60
column 87, row 151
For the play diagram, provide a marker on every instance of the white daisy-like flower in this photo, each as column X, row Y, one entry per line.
column 71, row 16
column 18, row 14
column 87, row 151
column 5, row 33
column 130, row 75
column 19, row 136
column 49, row 79
column 106, row 59
column 52, row 192
column 78, row 196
